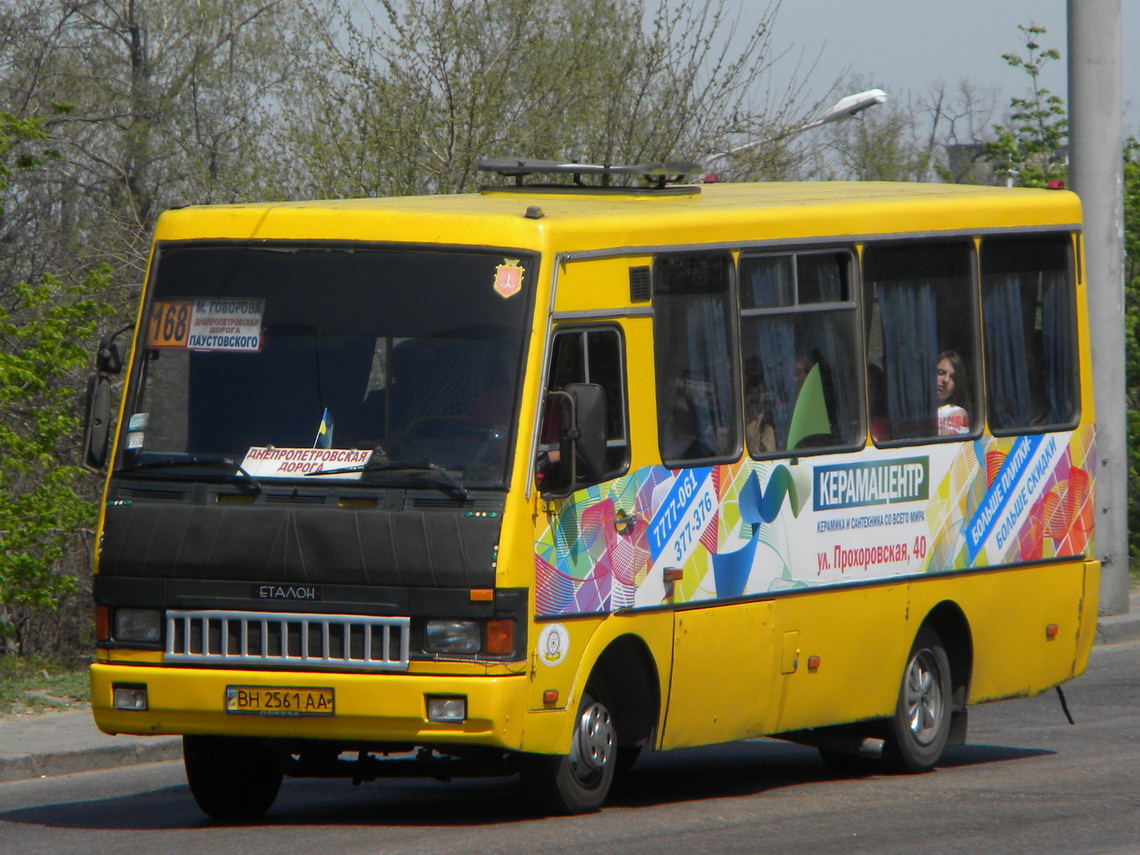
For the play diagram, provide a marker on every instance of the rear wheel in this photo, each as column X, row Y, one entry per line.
column 580, row 780
column 231, row 778
column 921, row 724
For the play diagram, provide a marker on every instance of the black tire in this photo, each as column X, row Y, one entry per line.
column 231, row 778
column 918, row 730
column 580, row 780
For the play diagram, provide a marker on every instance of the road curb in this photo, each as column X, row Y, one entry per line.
column 51, row 763
column 1115, row 629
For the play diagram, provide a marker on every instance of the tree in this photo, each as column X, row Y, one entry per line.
column 42, row 331
column 149, row 103
column 883, row 144
column 409, row 101
column 1031, row 151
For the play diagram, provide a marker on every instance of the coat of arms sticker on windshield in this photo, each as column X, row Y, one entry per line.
column 508, row 278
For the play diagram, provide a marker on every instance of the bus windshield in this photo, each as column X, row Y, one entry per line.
column 329, row 363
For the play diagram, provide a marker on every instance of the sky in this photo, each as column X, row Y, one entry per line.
column 910, row 45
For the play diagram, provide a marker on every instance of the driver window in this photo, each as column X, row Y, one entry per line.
column 590, row 355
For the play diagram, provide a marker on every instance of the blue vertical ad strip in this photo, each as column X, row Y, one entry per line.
column 1016, row 463
column 673, row 511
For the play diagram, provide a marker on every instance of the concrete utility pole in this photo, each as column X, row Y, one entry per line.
column 1096, row 173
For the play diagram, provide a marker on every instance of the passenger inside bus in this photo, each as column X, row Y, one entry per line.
column 952, row 391
column 760, row 429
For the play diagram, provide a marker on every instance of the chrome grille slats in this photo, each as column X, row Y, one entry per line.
column 287, row 639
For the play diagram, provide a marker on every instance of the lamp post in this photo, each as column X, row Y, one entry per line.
column 844, row 108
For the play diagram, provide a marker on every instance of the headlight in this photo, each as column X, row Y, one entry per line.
column 143, row 625
column 452, row 636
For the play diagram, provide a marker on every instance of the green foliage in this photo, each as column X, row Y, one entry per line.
column 1131, row 339
column 1030, row 150
column 42, row 348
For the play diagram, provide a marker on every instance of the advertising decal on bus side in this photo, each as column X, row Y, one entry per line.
column 761, row 526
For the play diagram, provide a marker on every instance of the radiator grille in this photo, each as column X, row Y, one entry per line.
column 286, row 639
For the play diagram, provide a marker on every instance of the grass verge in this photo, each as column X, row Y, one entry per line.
column 30, row 684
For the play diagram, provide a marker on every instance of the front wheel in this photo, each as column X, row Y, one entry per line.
column 231, row 778
column 921, row 723
column 580, row 780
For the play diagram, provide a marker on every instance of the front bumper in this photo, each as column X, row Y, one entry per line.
column 369, row 708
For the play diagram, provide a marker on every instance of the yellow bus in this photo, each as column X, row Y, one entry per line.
column 527, row 481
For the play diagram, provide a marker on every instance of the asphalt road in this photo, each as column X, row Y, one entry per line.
column 1028, row 782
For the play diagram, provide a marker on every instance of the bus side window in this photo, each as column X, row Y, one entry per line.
column 1030, row 334
column 800, row 344
column 693, row 348
column 590, row 355
column 920, row 307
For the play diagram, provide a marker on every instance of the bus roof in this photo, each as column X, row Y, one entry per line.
column 576, row 220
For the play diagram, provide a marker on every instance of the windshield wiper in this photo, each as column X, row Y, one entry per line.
column 174, row 462
column 389, row 465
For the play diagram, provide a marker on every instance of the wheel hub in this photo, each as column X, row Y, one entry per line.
column 593, row 745
column 924, row 702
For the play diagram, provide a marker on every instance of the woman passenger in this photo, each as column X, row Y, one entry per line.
column 953, row 393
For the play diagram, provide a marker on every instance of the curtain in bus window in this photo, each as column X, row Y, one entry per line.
column 910, row 345
column 1030, row 340
column 775, row 340
column 693, row 347
column 835, row 336
column 1057, row 342
column 706, row 382
column 768, row 283
column 769, row 351
column 1007, row 371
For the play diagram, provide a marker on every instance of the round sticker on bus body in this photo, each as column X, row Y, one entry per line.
column 553, row 644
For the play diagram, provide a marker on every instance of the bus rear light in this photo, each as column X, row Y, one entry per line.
column 500, row 637
column 446, row 709
column 129, row 696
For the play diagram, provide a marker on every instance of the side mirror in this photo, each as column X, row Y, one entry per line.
column 582, row 440
column 97, row 433
column 589, row 413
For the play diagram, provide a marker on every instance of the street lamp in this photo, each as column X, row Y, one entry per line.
column 844, row 108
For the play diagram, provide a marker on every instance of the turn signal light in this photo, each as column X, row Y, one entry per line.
column 500, row 637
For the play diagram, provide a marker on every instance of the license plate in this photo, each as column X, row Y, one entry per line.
column 279, row 700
